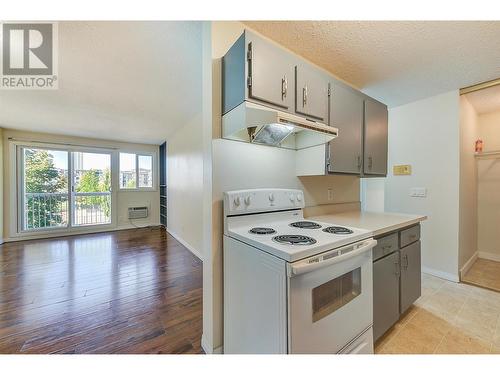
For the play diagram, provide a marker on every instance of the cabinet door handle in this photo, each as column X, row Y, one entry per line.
column 405, row 259
column 370, row 162
column 304, row 96
column 359, row 162
column 284, row 87
column 398, row 270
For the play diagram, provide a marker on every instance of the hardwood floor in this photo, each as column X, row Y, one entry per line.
column 132, row 291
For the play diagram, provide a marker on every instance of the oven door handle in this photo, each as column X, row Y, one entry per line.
column 303, row 266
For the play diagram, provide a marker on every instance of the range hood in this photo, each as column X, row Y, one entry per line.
column 258, row 124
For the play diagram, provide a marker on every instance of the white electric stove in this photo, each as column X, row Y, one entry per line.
column 293, row 285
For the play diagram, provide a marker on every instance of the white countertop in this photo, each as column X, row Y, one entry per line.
column 376, row 222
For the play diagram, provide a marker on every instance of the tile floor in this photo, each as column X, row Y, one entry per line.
column 448, row 318
column 484, row 273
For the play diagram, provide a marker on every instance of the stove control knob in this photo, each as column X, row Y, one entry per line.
column 248, row 200
column 237, row 201
column 271, row 197
column 299, row 197
column 292, row 198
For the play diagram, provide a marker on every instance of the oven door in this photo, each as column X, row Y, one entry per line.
column 331, row 299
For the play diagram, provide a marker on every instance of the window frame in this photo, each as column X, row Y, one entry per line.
column 18, row 167
column 154, row 179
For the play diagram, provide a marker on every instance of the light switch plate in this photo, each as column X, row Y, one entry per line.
column 418, row 192
column 401, row 170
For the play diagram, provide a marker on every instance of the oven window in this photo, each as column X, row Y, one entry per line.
column 335, row 293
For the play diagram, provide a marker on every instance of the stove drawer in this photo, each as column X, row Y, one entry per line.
column 385, row 246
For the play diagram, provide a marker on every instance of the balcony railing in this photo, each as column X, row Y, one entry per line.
column 50, row 210
column 92, row 208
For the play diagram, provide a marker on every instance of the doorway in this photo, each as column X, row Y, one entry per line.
column 480, row 196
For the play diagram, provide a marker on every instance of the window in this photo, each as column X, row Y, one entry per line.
column 136, row 171
column 63, row 188
column 45, row 192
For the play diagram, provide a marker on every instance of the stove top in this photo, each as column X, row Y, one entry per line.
column 272, row 220
column 286, row 236
column 305, row 225
column 262, row 230
column 338, row 230
column 294, row 239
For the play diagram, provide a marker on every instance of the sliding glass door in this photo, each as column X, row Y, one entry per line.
column 45, row 195
column 63, row 188
column 91, row 189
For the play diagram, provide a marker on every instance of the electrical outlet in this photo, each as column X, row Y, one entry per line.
column 330, row 194
column 418, row 192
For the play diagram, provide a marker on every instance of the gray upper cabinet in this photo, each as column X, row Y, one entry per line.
column 270, row 74
column 385, row 294
column 259, row 71
column 346, row 113
column 410, row 275
column 375, row 138
column 311, row 92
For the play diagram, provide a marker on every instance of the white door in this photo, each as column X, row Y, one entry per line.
column 331, row 299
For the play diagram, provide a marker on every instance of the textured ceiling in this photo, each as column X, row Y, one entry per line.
column 486, row 100
column 394, row 61
column 125, row 81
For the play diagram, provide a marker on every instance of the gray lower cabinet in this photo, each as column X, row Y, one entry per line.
column 385, row 294
column 375, row 138
column 311, row 93
column 346, row 113
column 396, row 277
column 410, row 275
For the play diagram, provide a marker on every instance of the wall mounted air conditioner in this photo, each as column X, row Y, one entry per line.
column 137, row 212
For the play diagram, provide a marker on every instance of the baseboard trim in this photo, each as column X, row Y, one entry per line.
column 219, row 350
column 468, row 264
column 205, row 347
column 489, row 256
column 441, row 274
column 48, row 235
column 185, row 244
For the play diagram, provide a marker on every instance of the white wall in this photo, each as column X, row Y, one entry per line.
column 239, row 165
column 426, row 135
column 123, row 199
column 372, row 194
column 488, row 198
column 185, row 186
column 489, row 130
column 468, row 185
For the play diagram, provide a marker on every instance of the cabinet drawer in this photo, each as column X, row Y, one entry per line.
column 385, row 245
column 409, row 236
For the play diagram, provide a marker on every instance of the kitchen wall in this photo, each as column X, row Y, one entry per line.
column 426, row 135
column 468, row 186
column 123, row 199
column 373, row 194
column 240, row 166
column 488, row 195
